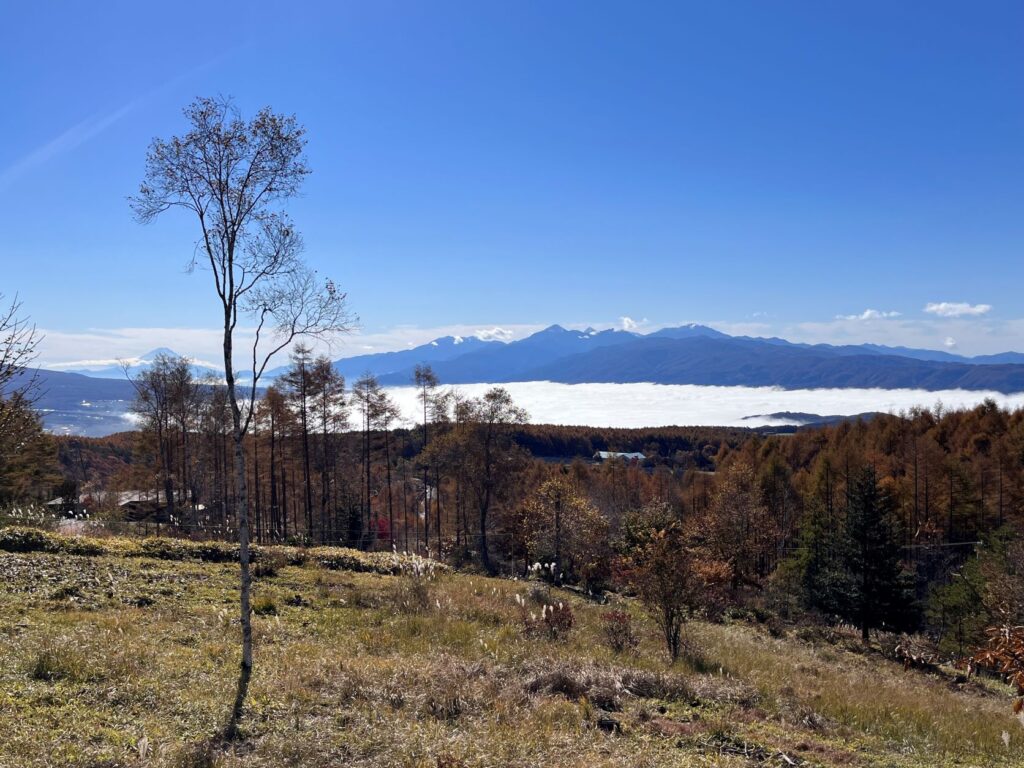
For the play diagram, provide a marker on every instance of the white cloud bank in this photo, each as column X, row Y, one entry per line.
column 957, row 309
column 631, row 325
column 654, row 405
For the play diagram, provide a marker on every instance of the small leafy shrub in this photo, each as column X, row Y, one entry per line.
column 416, row 576
column 26, row 540
column 554, row 623
column 79, row 545
column 165, row 549
column 59, row 662
column 342, row 559
column 617, row 628
column 67, row 592
column 18, row 539
column 1004, row 655
column 269, row 563
column 264, row 605
column 539, row 593
column 217, row 551
column 293, row 555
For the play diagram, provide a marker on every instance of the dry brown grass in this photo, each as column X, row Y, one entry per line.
column 127, row 661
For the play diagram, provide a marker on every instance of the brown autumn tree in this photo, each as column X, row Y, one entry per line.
column 671, row 574
column 234, row 177
column 490, row 458
column 330, row 414
column 296, row 383
column 560, row 525
column 737, row 528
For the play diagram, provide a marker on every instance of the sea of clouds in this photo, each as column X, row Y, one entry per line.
column 618, row 405
column 653, row 405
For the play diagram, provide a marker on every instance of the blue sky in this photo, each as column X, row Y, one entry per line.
column 769, row 168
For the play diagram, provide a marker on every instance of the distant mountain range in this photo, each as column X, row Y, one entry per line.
column 688, row 354
column 692, row 354
column 139, row 364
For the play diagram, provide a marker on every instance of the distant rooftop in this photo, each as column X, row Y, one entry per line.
column 605, row 455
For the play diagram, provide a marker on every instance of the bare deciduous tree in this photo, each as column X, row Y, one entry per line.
column 234, row 176
column 154, row 405
column 19, row 344
column 491, row 456
column 21, row 433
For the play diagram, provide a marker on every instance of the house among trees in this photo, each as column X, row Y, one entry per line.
column 629, row 458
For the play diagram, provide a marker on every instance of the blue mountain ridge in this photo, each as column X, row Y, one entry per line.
column 689, row 354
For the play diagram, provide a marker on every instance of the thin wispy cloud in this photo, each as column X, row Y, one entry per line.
column 71, row 139
column 869, row 314
column 957, row 309
column 91, row 127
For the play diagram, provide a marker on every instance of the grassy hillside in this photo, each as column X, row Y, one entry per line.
column 122, row 657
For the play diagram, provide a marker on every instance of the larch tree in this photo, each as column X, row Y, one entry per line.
column 296, row 382
column 366, row 394
column 235, row 176
column 331, row 412
column 426, row 381
column 187, row 395
column 275, row 404
column 491, row 456
column 388, row 413
column 737, row 526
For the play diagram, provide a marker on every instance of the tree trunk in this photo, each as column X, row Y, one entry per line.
column 242, row 516
column 242, row 520
column 558, row 536
column 485, row 556
column 391, row 509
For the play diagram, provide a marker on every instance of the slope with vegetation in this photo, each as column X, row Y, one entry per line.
column 122, row 657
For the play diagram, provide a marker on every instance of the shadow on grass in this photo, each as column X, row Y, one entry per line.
column 203, row 754
column 231, row 731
